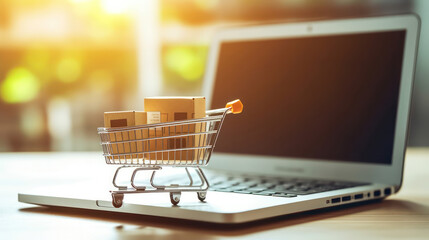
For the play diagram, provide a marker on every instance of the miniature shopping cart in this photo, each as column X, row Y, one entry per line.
column 187, row 144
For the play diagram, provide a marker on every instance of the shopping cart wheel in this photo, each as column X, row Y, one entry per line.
column 175, row 197
column 201, row 196
column 117, row 199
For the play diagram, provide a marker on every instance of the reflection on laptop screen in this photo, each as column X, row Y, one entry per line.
column 327, row 97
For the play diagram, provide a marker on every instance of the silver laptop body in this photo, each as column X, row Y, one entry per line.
column 325, row 102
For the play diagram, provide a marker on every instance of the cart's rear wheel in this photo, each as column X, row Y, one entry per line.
column 175, row 197
column 202, row 196
column 117, row 199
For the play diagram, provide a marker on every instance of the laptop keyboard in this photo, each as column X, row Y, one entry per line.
column 278, row 187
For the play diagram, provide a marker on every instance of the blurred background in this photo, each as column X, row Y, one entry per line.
column 65, row 62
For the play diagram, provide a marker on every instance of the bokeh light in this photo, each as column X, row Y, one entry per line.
column 207, row 4
column 101, row 80
column 79, row 1
column 20, row 85
column 186, row 62
column 32, row 121
column 37, row 59
column 115, row 6
column 68, row 69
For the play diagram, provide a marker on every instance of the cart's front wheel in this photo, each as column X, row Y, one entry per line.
column 175, row 197
column 202, row 196
column 117, row 199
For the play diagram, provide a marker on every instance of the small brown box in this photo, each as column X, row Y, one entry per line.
column 124, row 119
column 119, row 119
column 177, row 107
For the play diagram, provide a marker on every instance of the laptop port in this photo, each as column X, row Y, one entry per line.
column 335, row 200
column 359, row 196
column 346, row 198
column 387, row 191
column 377, row 193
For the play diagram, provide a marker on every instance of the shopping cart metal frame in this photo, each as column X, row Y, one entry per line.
column 120, row 147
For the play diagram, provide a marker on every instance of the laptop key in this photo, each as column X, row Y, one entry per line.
column 284, row 195
column 224, row 185
column 265, row 193
column 245, row 192
column 238, row 188
column 256, row 189
column 279, row 188
column 222, row 190
column 250, row 183
column 266, row 185
column 292, row 192
column 286, row 185
column 213, row 183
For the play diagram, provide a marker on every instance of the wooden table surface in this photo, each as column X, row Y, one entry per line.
column 402, row 216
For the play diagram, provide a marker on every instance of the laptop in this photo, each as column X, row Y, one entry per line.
column 325, row 122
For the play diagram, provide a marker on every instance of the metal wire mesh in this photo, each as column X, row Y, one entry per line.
column 179, row 143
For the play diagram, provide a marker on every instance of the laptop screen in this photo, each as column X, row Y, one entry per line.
column 329, row 97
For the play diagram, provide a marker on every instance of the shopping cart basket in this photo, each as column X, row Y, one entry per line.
column 187, row 144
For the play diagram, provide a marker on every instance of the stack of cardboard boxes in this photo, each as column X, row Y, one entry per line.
column 159, row 110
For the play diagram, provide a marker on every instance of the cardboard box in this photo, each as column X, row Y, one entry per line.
column 119, row 119
column 125, row 119
column 156, row 144
column 176, row 109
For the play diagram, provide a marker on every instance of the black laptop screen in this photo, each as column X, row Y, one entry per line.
column 328, row 97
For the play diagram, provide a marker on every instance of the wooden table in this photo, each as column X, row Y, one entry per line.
column 403, row 216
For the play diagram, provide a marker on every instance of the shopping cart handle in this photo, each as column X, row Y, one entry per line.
column 236, row 106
